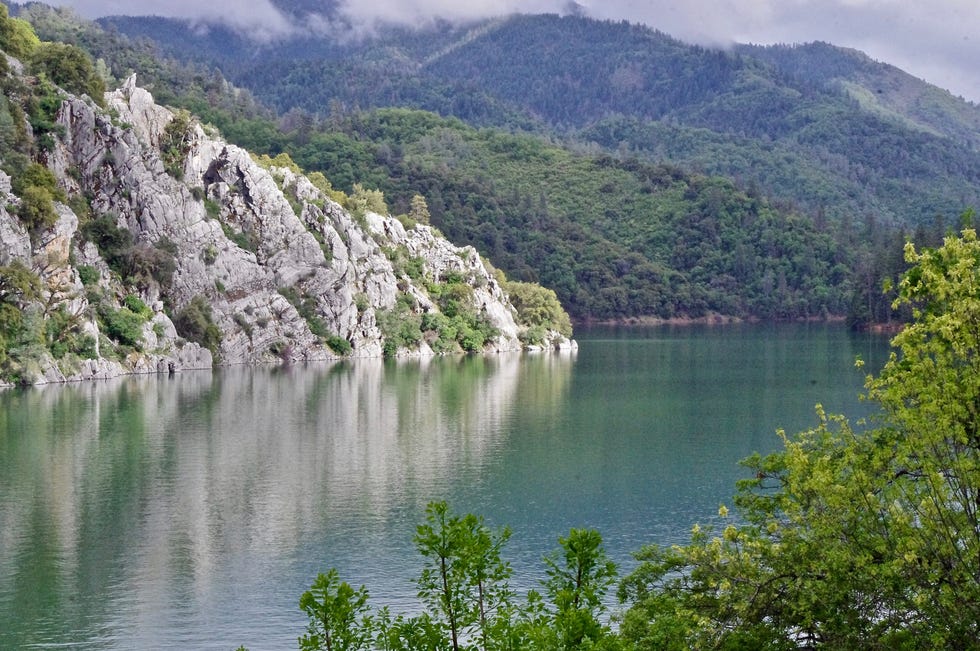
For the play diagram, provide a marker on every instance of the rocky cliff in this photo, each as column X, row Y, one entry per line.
column 172, row 249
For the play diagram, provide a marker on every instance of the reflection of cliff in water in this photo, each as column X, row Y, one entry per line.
column 112, row 487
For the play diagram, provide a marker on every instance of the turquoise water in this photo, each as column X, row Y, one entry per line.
column 192, row 511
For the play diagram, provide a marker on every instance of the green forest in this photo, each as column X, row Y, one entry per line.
column 614, row 233
column 809, row 125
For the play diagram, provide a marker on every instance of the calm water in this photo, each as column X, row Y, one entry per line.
column 191, row 512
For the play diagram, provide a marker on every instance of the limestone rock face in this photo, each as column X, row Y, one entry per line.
column 252, row 259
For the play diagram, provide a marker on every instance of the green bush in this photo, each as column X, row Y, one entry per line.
column 38, row 190
column 338, row 344
column 68, row 67
column 175, row 143
column 196, row 323
column 17, row 37
column 88, row 274
column 38, row 175
column 401, row 327
column 122, row 325
column 36, row 209
column 113, row 242
column 538, row 306
column 363, row 200
column 134, row 262
column 62, row 335
column 136, row 305
column 212, row 207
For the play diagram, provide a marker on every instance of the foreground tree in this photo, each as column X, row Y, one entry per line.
column 850, row 538
column 464, row 581
column 338, row 615
column 579, row 576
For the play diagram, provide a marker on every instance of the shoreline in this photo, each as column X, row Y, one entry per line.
column 709, row 319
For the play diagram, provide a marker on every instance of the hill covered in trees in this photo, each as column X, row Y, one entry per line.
column 636, row 175
column 822, row 127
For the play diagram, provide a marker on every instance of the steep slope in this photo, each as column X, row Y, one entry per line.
column 819, row 128
column 160, row 233
column 615, row 238
column 877, row 86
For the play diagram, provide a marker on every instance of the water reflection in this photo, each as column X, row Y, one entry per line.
column 133, row 504
column 191, row 512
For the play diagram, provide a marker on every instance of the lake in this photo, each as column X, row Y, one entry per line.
column 192, row 511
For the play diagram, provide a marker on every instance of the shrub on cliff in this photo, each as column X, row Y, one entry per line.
column 68, row 67
column 196, row 323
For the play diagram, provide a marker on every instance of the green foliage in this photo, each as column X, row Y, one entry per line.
column 337, row 612
column 42, row 109
column 135, row 262
column 212, row 208
column 362, row 200
column 88, row 274
column 136, row 305
column 578, row 578
column 281, row 160
column 19, row 287
column 323, row 185
column 464, row 580
column 38, row 189
column 62, row 335
column 10, row 128
column 123, row 325
column 418, row 210
column 400, row 326
column 850, row 538
column 338, row 344
column 37, row 175
column 195, row 322
column 538, row 306
column 113, row 242
column 403, row 262
column 36, row 209
column 175, row 143
column 468, row 602
column 17, row 38
column 70, row 68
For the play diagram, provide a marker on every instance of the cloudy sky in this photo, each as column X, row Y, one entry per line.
column 937, row 40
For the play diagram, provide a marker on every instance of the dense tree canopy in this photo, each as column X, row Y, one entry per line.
column 850, row 537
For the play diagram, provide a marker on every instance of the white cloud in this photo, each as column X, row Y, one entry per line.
column 420, row 13
column 936, row 40
column 258, row 18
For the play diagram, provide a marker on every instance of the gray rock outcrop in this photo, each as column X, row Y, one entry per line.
column 279, row 269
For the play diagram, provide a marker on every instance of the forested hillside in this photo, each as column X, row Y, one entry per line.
column 613, row 238
column 818, row 126
column 616, row 195
column 878, row 87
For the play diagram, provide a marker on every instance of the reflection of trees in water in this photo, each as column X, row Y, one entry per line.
column 162, row 480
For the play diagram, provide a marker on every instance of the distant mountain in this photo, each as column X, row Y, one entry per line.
column 878, row 87
column 620, row 206
column 817, row 126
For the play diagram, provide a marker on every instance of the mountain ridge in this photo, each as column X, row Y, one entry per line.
column 133, row 239
column 571, row 75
